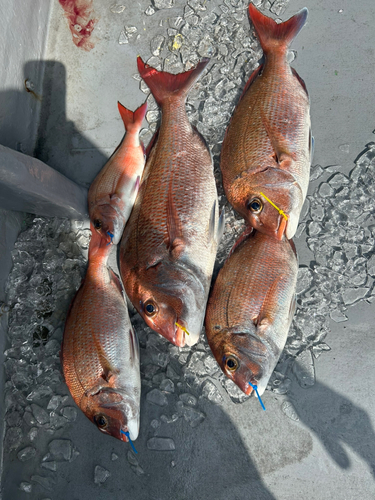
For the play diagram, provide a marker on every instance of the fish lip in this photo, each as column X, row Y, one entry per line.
column 282, row 228
column 179, row 337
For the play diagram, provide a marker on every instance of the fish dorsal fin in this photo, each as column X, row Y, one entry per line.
column 257, row 71
column 175, row 243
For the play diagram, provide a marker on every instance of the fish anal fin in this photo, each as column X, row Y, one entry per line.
column 301, row 81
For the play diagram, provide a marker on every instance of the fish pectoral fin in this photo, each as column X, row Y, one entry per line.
column 220, row 227
column 134, row 347
column 270, row 302
column 95, row 389
column 175, row 242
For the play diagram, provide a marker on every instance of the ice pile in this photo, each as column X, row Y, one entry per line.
column 48, row 266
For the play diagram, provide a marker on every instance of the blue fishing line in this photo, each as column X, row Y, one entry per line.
column 256, row 390
column 111, row 235
column 130, row 441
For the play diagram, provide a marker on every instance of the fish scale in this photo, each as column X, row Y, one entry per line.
column 267, row 148
column 174, row 206
column 251, row 306
column 100, row 355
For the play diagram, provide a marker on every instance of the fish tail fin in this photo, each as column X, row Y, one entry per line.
column 273, row 36
column 132, row 120
column 164, row 85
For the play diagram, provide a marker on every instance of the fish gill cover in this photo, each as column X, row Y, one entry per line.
column 337, row 222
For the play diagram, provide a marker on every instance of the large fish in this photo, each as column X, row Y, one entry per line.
column 251, row 307
column 112, row 194
column 266, row 153
column 100, row 351
column 169, row 245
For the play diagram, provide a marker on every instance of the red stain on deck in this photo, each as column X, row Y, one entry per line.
column 80, row 15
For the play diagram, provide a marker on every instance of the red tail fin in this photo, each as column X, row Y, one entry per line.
column 164, row 85
column 274, row 36
column 132, row 121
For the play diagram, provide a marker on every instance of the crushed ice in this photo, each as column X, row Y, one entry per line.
column 49, row 260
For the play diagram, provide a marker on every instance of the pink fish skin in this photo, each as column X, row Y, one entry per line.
column 251, row 307
column 114, row 190
column 266, row 152
column 169, row 246
column 100, row 351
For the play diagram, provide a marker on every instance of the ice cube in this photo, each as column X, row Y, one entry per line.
column 46, row 482
column 303, row 369
column 26, row 453
column 352, row 295
column 26, row 487
column 40, row 414
column 211, row 393
column 69, row 412
column 150, row 11
column 117, row 8
column 315, row 172
column 101, row 474
column 156, row 397
column 61, row 450
column 338, row 316
column 188, row 399
column 161, row 444
column 289, row 410
column 49, row 466
column 114, row 456
column 167, row 385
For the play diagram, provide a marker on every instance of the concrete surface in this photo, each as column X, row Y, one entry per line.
column 327, row 449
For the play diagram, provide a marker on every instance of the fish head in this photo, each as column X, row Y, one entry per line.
column 273, row 204
column 244, row 358
column 113, row 412
column 172, row 301
column 107, row 222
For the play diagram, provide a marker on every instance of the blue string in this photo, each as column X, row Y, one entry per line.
column 111, row 235
column 130, row 441
column 255, row 387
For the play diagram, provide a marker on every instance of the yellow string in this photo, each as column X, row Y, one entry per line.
column 182, row 328
column 277, row 208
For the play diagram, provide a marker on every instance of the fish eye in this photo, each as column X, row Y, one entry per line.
column 101, row 421
column 98, row 224
column 255, row 205
column 231, row 363
column 150, row 308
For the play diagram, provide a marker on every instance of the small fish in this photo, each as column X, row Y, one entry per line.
column 266, row 152
column 100, row 351
column 169, row 245
column 114, row 190
column 251, row 307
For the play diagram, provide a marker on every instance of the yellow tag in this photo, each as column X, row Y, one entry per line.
column 182, row 328
column 277, row 208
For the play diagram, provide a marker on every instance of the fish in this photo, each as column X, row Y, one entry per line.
column 100, row 350
column 251, row 307
column 112, row 193
column 267, row 149
column 169, row 245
